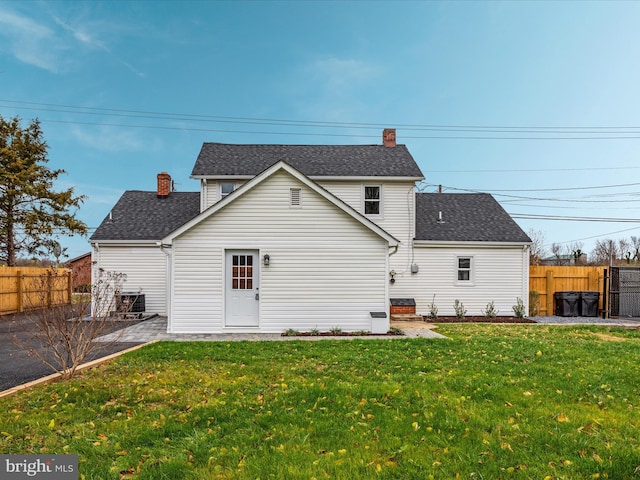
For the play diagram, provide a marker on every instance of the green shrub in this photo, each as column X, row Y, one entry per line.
column 518, row 309
column 458, row 306
column 490, row 310
column 433, row 308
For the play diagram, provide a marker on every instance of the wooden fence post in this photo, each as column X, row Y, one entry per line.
column 594, row 281
column 550, row 292
column 49, row 290
column 19, row 281
column 70, row 286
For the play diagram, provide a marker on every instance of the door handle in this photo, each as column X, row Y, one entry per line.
column 257, row 294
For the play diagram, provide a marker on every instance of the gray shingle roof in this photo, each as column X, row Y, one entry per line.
column 218, row 159
column 143, row 216
column 467, row 217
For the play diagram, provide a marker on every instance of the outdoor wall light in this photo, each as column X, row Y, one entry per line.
column 392, row 274
column 266, row 259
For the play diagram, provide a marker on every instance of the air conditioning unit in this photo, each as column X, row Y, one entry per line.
column 131, row 302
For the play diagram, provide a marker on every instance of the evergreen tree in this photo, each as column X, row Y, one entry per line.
column 31, row 211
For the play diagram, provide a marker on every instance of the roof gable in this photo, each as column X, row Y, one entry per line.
column 228, row 160
column 465, row 217
column 142, row 215
column 247, row 187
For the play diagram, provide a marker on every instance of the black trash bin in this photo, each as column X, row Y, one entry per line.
column 589, row 304
column 567, row 304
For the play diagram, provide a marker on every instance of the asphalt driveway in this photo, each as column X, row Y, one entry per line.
column 18, row 366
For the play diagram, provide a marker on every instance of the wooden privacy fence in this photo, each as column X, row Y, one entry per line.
column 23, row 288
column 546, row 280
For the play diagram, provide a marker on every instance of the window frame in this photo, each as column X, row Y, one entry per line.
column 458, row 269
column 220, row 191
column 379, row 200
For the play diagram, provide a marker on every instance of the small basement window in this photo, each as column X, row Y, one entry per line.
column 372, row 199
column 296, row 197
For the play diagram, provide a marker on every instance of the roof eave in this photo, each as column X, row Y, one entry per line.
column 316, row 178
column 222, row 177
column 468, row 243
column 155, row 242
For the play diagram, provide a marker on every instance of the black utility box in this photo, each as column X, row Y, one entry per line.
column 589, row 304
column 567, row 304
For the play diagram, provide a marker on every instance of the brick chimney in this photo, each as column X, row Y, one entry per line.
column 389, row 137
column 164, row 184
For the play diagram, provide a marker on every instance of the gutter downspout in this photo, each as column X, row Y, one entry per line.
column 386, row 286
column 525, row 279
column 95, row 268
column 168, row 251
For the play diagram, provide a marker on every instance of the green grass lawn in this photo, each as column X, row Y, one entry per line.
column 494, row 401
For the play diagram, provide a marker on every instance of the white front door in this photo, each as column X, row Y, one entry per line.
column 241, row 294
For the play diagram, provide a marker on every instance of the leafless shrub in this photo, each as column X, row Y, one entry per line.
column 62, row 336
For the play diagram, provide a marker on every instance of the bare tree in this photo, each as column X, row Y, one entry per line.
column 557, row 251
column 63, row 335
column 605, row 251
column 635, row 244
column 537, row 251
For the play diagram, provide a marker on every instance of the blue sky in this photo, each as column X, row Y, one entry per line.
column 511, row 98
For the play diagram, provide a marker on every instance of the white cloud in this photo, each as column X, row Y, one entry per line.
column 80, row 34
column 333, row 88
column 338, row 73
column 109, row 139
column 52, row 43
column 31, row 42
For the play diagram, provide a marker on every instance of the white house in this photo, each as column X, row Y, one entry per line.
column 309, row 237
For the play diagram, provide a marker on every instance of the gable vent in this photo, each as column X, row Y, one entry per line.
column 295, row 197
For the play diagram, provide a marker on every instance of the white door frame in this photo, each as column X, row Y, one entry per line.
column 242, row 287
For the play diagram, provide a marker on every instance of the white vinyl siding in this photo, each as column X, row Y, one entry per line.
column 499, row 274
column 145, row 268
column 398, row 219
column 211, row 191
column 326, row 269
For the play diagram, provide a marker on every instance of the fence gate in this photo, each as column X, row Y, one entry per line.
column 625, row 292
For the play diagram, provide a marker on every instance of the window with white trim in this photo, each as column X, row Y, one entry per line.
column 464, row 266
column 226, row 188
column 372, row 199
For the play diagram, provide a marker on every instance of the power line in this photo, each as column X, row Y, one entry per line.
column 592, row 237
column 514, row 203
column 533, row 216
column 611, row 134
column 568, row 200
column 522, row 170
column 574, row 129
column 556, row 189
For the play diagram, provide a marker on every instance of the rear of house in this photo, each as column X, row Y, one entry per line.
column 309, row 237
column 278, row 253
